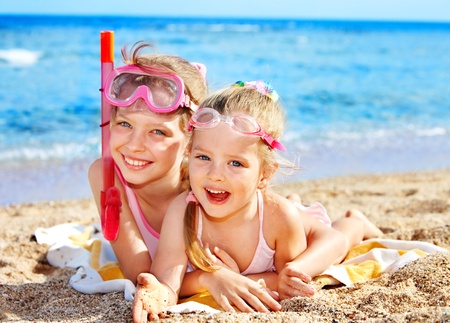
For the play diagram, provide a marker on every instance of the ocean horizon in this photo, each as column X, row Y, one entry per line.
column 361, row 97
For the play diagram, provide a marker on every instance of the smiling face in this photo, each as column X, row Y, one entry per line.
column 147, row 147
column 224, row 169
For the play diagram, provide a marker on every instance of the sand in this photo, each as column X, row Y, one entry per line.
column 413, row 206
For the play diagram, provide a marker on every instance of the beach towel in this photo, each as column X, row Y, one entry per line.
column 373, row 257
column 82, row 247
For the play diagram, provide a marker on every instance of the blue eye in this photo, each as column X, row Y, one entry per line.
column 158, row 132
column 235, row 163
column 125, row 124
column 203, row 157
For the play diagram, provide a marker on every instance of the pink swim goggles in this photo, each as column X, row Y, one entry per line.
column 163, row 93
column 207, row 118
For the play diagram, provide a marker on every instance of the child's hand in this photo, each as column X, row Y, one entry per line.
column 232, row 289
column 151, row 299
column 222, row 259
column 293, row 282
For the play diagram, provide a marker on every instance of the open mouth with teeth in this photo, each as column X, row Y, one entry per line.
column 217, row 196
column 136, row 162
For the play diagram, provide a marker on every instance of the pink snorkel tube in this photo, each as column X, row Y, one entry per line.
column 110, row 195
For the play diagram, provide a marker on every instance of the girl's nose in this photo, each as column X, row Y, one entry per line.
column 136, row 142
column 215, row 173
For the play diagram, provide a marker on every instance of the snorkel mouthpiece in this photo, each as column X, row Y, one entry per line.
column 111, row 218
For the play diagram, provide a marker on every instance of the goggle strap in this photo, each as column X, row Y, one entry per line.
column 278, row 145
column 268, row 139
column 186, row 101
column 193, row 106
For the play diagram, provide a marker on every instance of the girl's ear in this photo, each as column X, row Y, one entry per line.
column 266, row 176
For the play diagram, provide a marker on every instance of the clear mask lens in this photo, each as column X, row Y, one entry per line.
column 245, row 124
column 161, row 92
column 208, row 118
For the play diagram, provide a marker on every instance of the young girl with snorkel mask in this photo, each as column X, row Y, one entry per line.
column 230, row 227
column 152, row 98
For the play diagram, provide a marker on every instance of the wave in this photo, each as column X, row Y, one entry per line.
column 214, row 27
column 57, row 151
column 20, row 57
column 367, row 139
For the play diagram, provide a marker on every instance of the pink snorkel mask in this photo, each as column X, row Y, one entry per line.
column 162, row 92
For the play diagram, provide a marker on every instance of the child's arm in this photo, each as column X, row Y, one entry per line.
column 324, row 246
column 159, row 289
column 170, row 262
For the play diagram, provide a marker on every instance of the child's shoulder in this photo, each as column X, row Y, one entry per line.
column 180, row 200
column 281, row 218
column 177, row 207
column 280, row 207
column 95, row 169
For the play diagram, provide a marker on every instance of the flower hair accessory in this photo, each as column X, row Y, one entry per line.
column 260, row 86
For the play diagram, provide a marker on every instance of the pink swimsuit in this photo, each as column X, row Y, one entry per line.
column 263, row 258
column 150, row 236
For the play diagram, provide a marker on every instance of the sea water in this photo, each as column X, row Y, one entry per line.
column 361, row 97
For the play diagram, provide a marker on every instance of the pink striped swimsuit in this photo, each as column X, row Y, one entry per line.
column 150, row 236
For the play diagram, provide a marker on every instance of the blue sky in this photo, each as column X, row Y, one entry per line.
column 403, row 10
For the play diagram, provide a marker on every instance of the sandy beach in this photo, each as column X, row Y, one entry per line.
column 411, row 206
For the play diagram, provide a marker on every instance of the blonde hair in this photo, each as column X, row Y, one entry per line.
column 195, row 83
column 271, row 117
